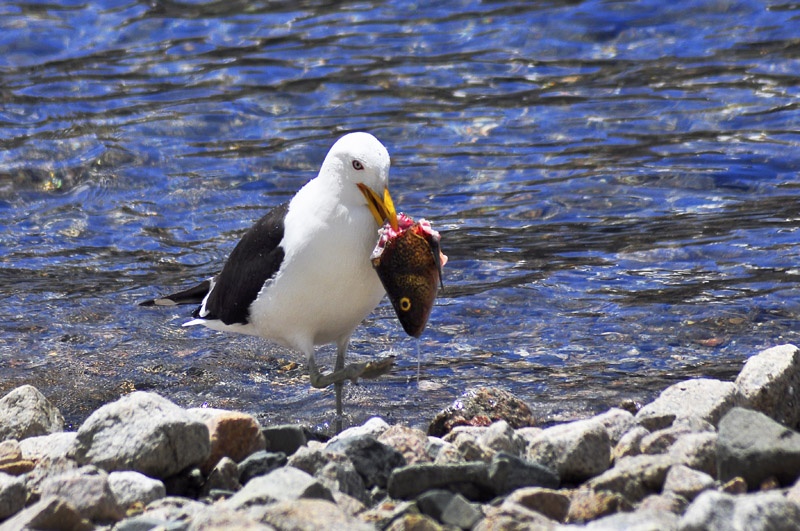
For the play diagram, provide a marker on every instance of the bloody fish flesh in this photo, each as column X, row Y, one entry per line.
column 409, row 263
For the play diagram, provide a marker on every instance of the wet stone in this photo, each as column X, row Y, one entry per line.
column 481, row 407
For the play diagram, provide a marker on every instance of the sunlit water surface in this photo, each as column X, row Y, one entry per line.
column 615, row 183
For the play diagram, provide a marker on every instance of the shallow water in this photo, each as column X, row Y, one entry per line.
column 615, row 183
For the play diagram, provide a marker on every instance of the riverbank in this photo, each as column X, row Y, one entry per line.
column 705, row 454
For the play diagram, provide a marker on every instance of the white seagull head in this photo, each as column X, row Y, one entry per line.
column 360, row 161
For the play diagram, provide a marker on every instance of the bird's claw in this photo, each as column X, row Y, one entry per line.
column 374, row 369
column 369, row 370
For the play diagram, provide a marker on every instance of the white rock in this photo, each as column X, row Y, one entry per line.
column 131, row 487
column 705, row 398
column 770, row 383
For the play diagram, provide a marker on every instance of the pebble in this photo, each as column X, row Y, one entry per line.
column 705, row 454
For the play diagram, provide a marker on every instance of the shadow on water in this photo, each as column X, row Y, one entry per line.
column 615, row 183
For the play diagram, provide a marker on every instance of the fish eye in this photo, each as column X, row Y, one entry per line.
column 357, row 165
column 405, row 304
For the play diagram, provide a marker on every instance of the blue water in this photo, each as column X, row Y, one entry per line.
column 615, row 183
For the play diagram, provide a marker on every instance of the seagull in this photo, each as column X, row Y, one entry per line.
column 302, row 276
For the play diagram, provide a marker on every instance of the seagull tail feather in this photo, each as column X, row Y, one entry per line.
column 193, row 295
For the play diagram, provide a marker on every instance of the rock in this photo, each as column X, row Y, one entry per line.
column 617, row 423
column 11, row 460
column 630, row 443
column 88, row 491
column 637, row 521
column 234, row 435
column 763, row 511
column 660, row 441
column 666, row 501
column 501, row 437
column 216, row 518
column 225, row 476
column 175, row 509
column 142, row 432
column 442, row 452
column 285, row 438
column 507, row 473
column 588, row 504
column 697, row 451
column 131, row 488
column 260, row 463
column 686, row 482
column 374, row 427
column 309, row 515
column 469, row 479
column 467, row 440
column 47, row 446
column 481, row 407
column 414, row 522
column 755, row 447
column 25, row 412
column 410, row 442
column 736, row 485
column 634, row 477
column 13, row 495
column 388, row 511
column 287, row 483
column 48, row 513
column 576, row 450
column 706, row 398
column 770, row 382
column 449, row 508
column 187, row 483
column 553, row 504
column 515, row 517
column 372, row 459
column 339, row 474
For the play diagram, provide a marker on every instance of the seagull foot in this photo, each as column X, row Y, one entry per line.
column 369, row 370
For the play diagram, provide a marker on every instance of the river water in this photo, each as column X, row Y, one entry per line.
column 615, row 183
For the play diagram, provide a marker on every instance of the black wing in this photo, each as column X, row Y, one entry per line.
column 254, row 260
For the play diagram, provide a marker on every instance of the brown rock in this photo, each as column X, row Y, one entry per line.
column 414, row 522
column 308, row 513
column 410, row 442
column 553, row 504
column 588, row 504
column 233, row 434
column 513, row 517
column 48, row 513
column 11, row 461
column 482, row 407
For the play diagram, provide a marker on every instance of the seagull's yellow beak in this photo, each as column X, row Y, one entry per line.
column 382, row 208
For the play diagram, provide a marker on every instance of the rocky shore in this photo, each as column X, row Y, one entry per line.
column 706, row 454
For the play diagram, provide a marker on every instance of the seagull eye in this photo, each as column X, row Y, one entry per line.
column 357, row 165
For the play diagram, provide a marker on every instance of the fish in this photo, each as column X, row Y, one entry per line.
column 409, row 261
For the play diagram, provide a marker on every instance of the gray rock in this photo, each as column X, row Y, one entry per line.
column 617, row 423
column 47, row 446
column 88, row 491
column 630, row 443
column 287, row 483
column 174, row 510
column 142, row 432
column 587, row 504
column 48, row 513
column 372, row 459
column 513, row 516
column 13, row 495
column 224, row 476
column 285, row 438
column 576, row 450
column 763, row 511
column 706, row 398
column 507, row 473
column 466, row 440
column 449, row 508
column 374, row 428
column 131, row 487
column 635, row 521
column 770, row 383
column 339, row 474
column 634, row 477
column 686, row 482
column 260, row 463
column 308, row 515
column 697, row 451
column 500, row 437
column 442, row 452
column 145, row 522
column 221, row 518
column 755, row 447
column 469, row 479
column 25, row 412
column 666, row 501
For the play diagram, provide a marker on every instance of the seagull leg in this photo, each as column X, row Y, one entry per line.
column 352, row 372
